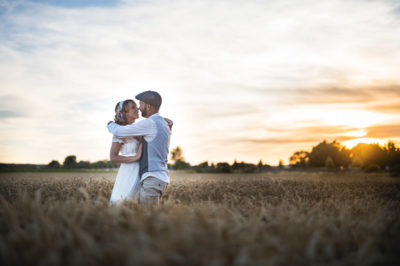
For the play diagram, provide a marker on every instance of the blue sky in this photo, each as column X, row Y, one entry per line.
column 244, row 80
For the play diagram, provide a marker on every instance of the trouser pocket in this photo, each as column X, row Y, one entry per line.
column 152, row 187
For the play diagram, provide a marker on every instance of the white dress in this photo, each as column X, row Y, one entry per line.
column 127, row 183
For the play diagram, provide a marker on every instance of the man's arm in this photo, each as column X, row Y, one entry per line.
column 145, row 127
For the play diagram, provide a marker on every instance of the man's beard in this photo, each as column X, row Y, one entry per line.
column 144, row 114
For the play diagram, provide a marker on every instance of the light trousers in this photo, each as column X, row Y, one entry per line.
column 152, row 190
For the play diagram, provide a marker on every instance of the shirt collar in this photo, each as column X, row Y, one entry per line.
column 156, row 114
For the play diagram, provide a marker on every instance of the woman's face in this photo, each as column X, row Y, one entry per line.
column 132, row 113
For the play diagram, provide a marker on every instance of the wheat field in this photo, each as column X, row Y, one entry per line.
column 275, row 218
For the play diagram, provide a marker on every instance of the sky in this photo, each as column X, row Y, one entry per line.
column 242, row 80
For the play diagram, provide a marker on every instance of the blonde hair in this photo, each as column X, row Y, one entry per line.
column 120, row 112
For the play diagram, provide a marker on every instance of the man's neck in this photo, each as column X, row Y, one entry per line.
column 151, row 114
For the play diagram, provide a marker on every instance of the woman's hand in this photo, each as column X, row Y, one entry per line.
column 138, row 154
column 116, row 158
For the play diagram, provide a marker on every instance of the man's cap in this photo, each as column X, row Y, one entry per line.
column 150, row 97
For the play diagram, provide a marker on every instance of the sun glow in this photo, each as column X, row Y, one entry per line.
column 356, row 133
column 353, row 142
column 360, row 119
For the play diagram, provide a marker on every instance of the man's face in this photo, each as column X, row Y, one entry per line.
column 142, row 108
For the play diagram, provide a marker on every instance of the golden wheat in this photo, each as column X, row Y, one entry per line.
column 283, row 218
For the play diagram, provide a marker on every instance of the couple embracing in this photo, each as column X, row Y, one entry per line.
column 141, row 148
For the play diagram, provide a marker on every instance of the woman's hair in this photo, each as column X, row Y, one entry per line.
column 120, row 112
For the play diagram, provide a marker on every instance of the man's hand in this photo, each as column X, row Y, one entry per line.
column 169, row 122
column 111, row 127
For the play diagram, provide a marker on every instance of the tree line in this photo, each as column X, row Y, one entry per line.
column 70, row 162
column 179, row 163
column 368, row 157
column 326, row 155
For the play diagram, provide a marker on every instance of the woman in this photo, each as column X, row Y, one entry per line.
column 127, row 151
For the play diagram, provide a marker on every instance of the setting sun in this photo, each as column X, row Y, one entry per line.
column 356, row 133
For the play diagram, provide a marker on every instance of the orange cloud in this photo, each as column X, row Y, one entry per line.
column 389, row 108
column 384, row 131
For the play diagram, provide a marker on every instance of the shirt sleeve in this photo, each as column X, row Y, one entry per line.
column 116, row 139
column 145, row 127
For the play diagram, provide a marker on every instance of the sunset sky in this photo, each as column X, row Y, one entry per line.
column 244, row 80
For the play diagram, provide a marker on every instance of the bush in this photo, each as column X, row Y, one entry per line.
column 395, row 170
column 224, row 168
column 54, row 164
column 250, row 168
column 372, row 168
column 202, row 167
column 180, row 164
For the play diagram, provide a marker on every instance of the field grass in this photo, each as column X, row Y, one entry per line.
column 282, row 218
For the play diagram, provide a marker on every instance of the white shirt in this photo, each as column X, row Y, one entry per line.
column 146, row 128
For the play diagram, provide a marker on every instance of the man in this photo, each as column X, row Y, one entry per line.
column 156, row 134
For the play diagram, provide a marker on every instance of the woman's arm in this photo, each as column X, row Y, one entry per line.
column 116, row 158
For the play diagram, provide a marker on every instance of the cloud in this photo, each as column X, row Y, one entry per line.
column 344, row 95
column 282, row 140
column 384, row 131
column 9, row 114
column 226, row 69
column 391, row 108
column 321, row 130
column 13, row 106
column 78, row 3
column 309, row 134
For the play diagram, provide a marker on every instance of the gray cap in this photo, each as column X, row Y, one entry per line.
column 150, row 97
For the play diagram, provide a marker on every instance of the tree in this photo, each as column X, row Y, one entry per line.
column 370, row 154
column 281, row 164
column 181, row 165
column 391, row 146
column 393, row 155
column 179, row 160
column 356, row 161
column 260, row 166
column 329, row 162
column 83, row 165
column 100, row 164
column 177, row 154
column 202, row 167
column 319, row 154
column 299, row 159
column 224, row 168
column 343, row 157
column 236, row 165
column 53, row 164
column 243, row 167
column 70, row 161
